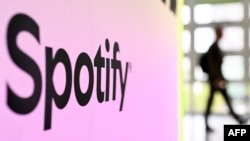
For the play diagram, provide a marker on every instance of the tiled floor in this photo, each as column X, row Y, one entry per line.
column 194, row 127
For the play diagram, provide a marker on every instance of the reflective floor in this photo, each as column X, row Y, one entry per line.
column 194, row 127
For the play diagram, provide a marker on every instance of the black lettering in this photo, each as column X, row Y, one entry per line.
column 123, row 81
column 18, row 23
column 21, row 22
column 115, row 65
column 99, row 64
column 83, row 60
column 173, row 6
column 107, row 70
column 60, row 100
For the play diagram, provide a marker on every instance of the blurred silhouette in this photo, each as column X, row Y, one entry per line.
column 211, row 63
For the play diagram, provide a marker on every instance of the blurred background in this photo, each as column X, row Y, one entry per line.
column 199, row 18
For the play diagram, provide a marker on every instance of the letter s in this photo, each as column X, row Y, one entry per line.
column 18, row 23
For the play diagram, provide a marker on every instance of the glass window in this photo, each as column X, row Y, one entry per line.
column 197, row 38
column 233, row 67
column 186, row 67
column 198, row 87
column 199, row 75
column 186, row 14
column 227, row 12
column 203, row 38
column 203, row 13
column 186, row 41
column 187, row 97
column 236, row 89
column 233, row 39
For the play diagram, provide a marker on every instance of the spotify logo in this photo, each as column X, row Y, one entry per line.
column 112, row 66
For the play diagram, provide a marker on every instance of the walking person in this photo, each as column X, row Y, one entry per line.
column 213, row 60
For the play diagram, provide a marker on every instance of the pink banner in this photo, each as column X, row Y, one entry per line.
column 88, row 70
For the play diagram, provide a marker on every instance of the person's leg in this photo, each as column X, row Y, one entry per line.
column 209, row 105
column 227, row 99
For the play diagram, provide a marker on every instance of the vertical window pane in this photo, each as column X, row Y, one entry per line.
column 203, row 13
column 199, row 75
column 200, row 96
column 186, row 41
column 188, row 102
column 231, row 12
column 203, row 38
column 198, row 87
column 186, row 14
column 233, row 39
column 236, row 89
column 186, row 67
column 233, row 67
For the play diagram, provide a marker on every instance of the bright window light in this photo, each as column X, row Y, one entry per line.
column 186, row 15
column 186, row 67
column 203, row 38
column 233, row 39
column 186, row 41
column 228, row 12
column 203, row 13
column 233, row 67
